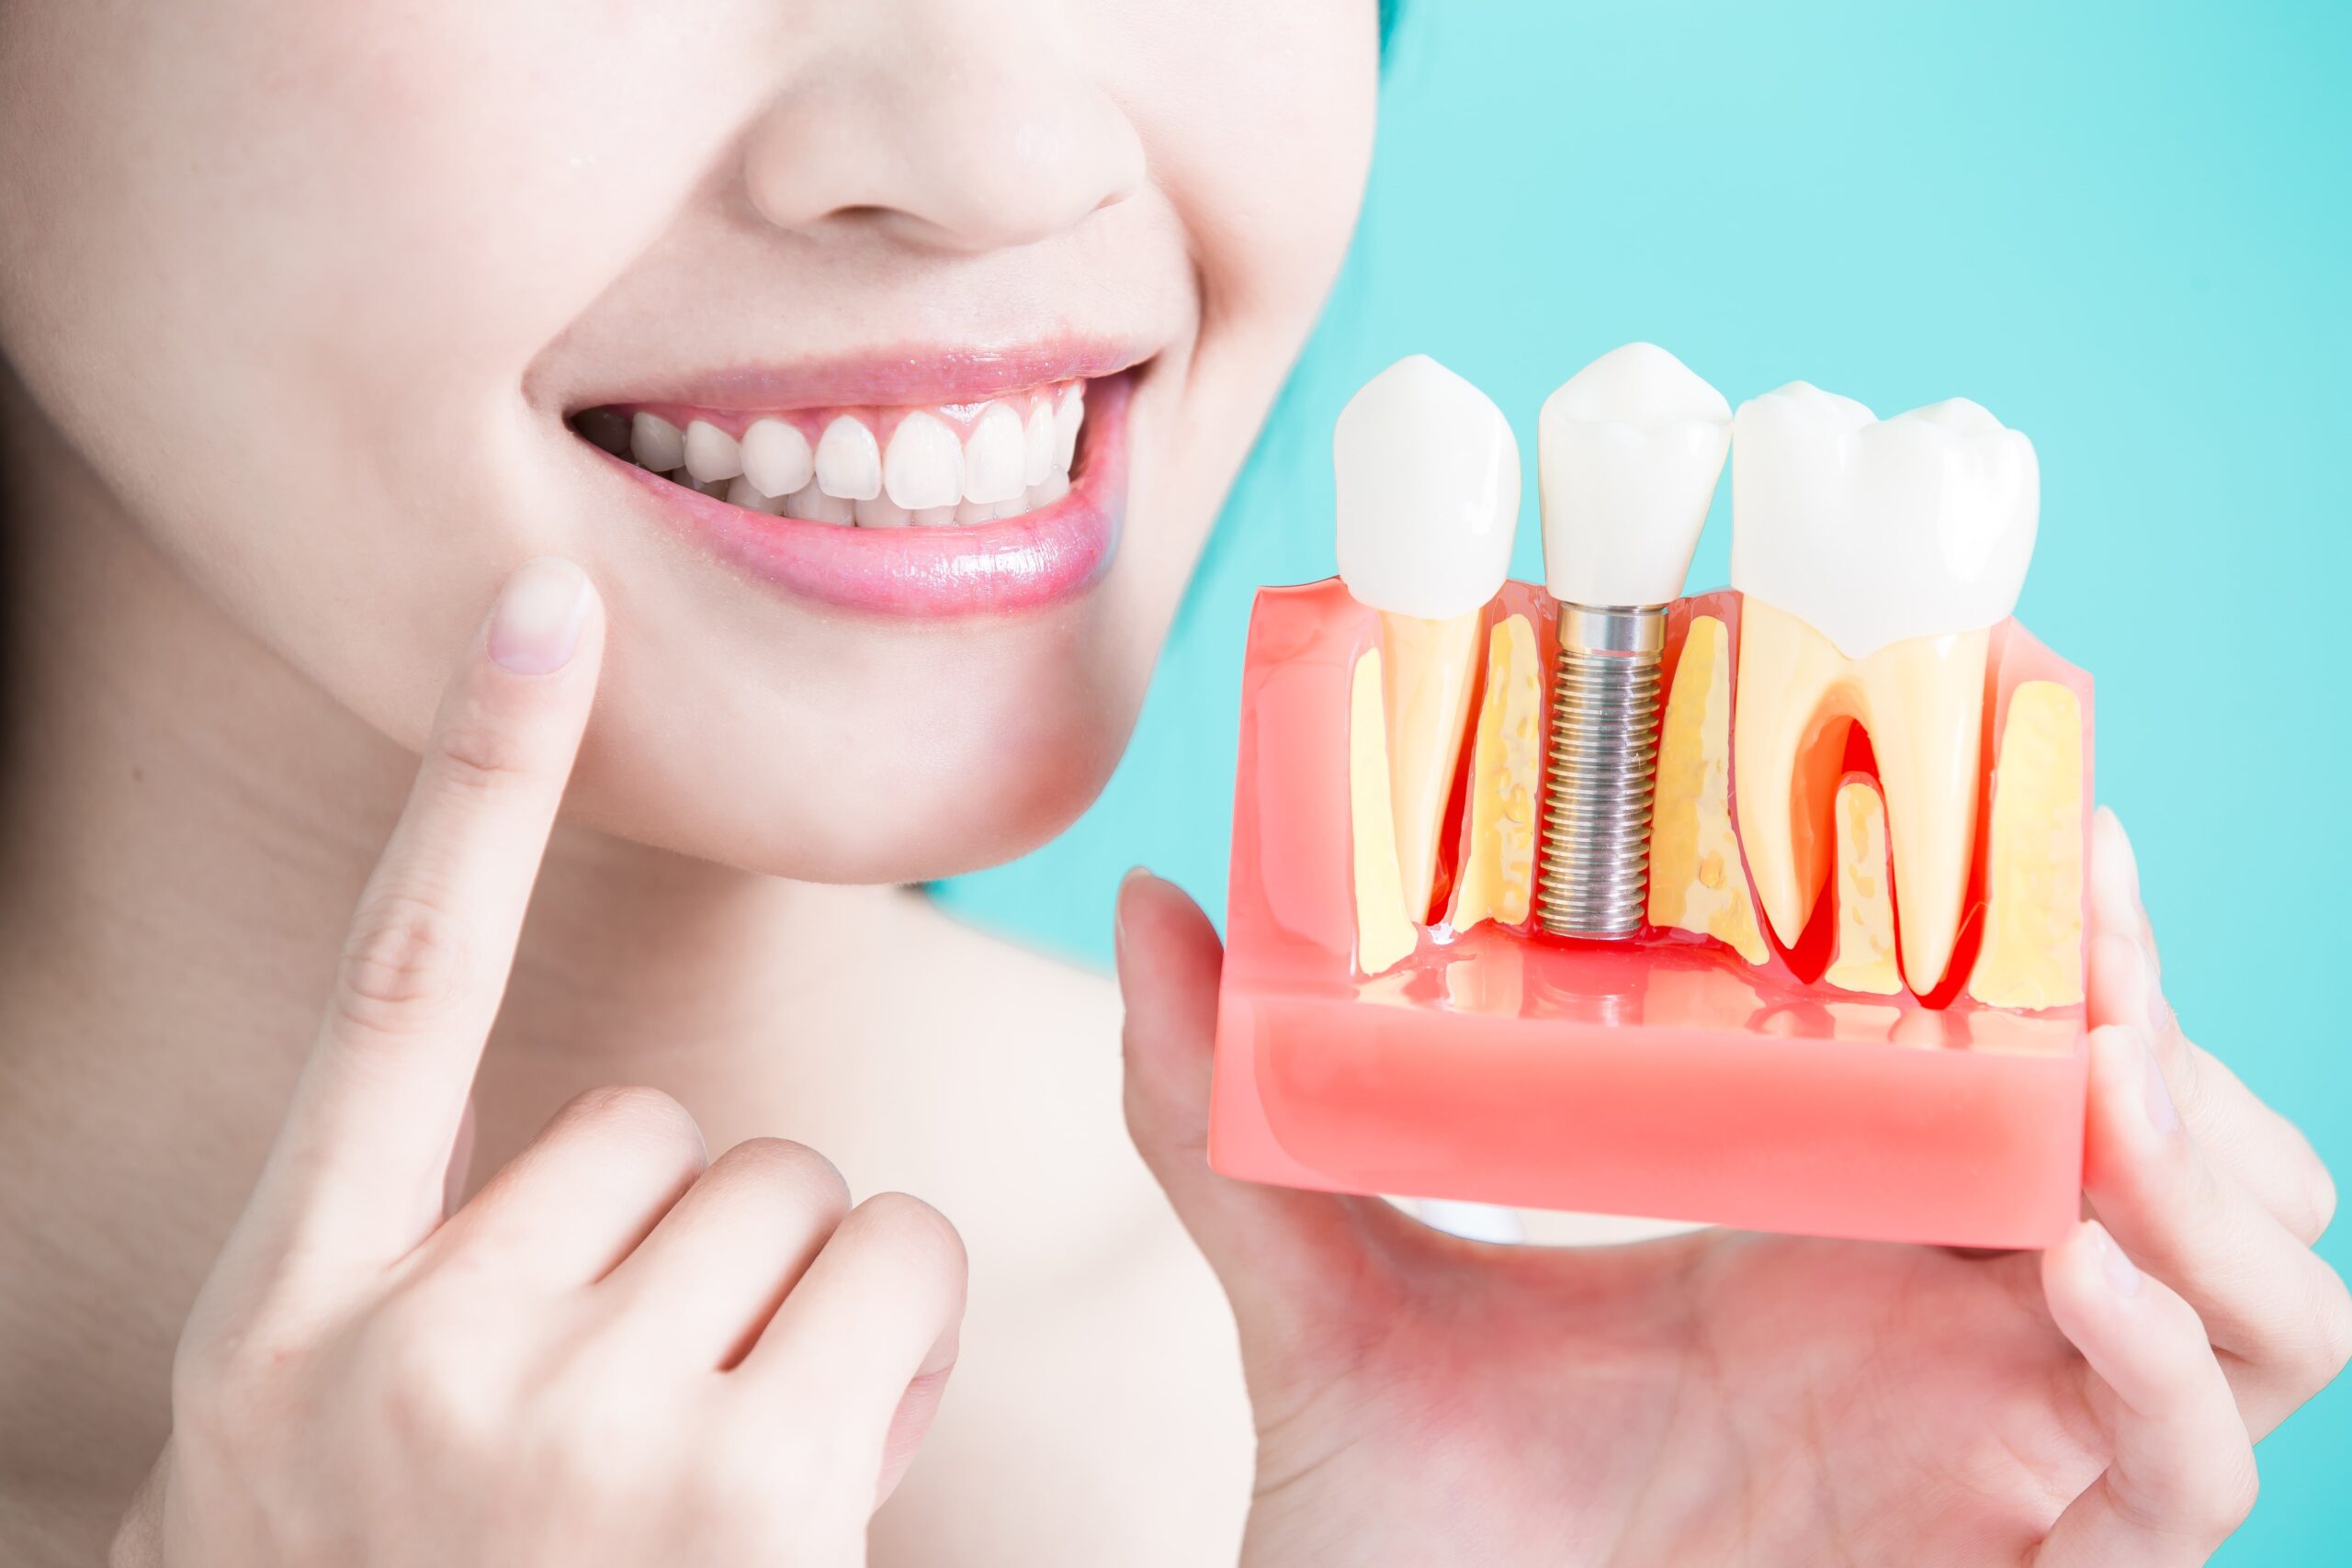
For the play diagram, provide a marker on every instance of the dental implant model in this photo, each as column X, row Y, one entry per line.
column 1630, row 448
column 1832, row 822
column 1427, row 476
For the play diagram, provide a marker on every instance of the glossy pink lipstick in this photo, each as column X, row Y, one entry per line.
column 1000, row 557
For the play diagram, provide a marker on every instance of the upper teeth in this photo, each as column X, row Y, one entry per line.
column 1014, row 456
column 1876, row 530
column 1629, row 449
column 1427, row 473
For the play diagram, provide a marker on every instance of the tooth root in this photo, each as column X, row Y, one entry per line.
column 1498, row 877
column 776, row 456
column 655, row 442
column 1431, row 666
column 924, row 467
column 995, row 455
column 711, row 453
column 1863, row 956
column 1385, row 932
column 849, row 463
column 1921, row 702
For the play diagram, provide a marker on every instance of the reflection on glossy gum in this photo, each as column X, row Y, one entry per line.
column 1663, row 1077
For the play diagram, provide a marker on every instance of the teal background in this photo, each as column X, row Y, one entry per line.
column 2125, row 228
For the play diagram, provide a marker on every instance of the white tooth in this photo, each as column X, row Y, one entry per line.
column 1875, row 556
column 1872, row 531
column 685, row 477
column 1055, row 486
column 744, row 493
column 987, row 511
column 1630, row 449
column 1067, row 419
column 655, row 442
column 1426, row 472
column 1040, row 444
column 711, row 453
column 925, row 465
column 812, row 503
column 881, row 511
column 994, row 456
column 776, row 456
column 934, row 517
column 849, row 464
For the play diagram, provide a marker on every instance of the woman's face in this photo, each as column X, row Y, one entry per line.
column 341, row 301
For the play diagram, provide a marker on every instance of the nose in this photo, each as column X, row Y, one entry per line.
column 963, row 126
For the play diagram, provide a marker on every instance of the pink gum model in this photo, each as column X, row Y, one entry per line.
column 1662, row 1077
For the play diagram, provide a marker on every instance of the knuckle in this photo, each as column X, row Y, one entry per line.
column 918, row 1237
column 640, row 1119
column 404, row 959
column 2319, row 1201
column 2334, row 1332
column 2236, row 1489
column 634, row 1111
column 809, row 1181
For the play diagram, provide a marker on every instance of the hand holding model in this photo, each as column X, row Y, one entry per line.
column 1722, row 1396
column 619, row 1351
column 1850, row 950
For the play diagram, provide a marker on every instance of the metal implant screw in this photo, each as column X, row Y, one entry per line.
column 1601, row 776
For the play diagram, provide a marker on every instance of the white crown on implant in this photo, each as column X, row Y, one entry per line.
column 1874, row 530
column 1629, row 451
column 1426, row 471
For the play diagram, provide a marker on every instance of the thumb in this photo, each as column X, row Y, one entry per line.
column 1288, row 1260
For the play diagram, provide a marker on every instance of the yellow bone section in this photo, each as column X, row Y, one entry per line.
column 1864, row 955
column 1385, row 932
column 1506, row 777
column 1922, row 703
column 1696, row 882
column 1431, row 666
column 2032, row 955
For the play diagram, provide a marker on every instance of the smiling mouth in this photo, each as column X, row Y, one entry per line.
column 942, row 466
column 1004, row 502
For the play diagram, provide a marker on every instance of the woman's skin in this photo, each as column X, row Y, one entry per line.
column 1721, row 1397
column 294, row 303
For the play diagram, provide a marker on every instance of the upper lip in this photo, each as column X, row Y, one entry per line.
column 904, row 376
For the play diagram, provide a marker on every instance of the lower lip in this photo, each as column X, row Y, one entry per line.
column 934, row 573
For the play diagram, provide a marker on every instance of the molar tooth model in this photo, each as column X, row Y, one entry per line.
column 1409, row 1007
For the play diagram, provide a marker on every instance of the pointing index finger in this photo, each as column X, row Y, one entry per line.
column 359, row 1164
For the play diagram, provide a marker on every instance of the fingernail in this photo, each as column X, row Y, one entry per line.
column 535, row 627
column 2115, row 842
column 2163, row 1114
column 2122, row 1278
column 2148, row 995
column 1119, row 907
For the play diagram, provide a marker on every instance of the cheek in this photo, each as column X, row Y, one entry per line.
column 283, row 265
column 1261, row 118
